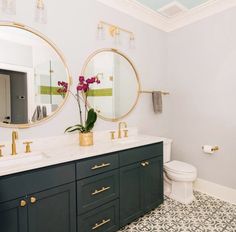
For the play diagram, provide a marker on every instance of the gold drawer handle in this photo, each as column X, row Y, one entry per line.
column 23, row 203
column 100, row 191
column 33, row 200
column 100, row 166
column 98, row 225
column 147, row 163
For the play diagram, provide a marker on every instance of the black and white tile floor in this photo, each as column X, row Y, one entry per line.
column 205, row 214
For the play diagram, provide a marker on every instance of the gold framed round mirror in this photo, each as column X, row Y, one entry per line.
column 30, row 68
column 118, row 92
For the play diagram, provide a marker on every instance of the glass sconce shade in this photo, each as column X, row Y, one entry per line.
column 100, row 32
column 40, row 12
column 117, row 40
column 9, row 6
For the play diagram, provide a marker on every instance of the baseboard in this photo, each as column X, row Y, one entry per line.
column 215, row 190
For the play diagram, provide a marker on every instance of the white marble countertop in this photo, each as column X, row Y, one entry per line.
column 43, row 156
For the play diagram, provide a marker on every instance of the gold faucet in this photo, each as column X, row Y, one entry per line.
column 14, row 138
column 119, row 130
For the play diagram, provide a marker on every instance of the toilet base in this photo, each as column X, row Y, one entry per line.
column 179, row 191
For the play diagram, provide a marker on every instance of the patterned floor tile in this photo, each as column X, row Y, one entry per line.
column 204, row 214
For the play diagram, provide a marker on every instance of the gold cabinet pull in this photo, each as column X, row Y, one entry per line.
column 103, row 189
column 143, row 164
column 98, row 225
column 23, row 203
column 33, row 200
column 147, row 163
column 100, row 166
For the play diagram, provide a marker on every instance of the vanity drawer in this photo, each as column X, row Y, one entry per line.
column 140, row 153
column 102, row 219
column 96, row 165
column 97, row 190
column 22, row 184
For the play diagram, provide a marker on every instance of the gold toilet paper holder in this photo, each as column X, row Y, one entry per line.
column 213, row 149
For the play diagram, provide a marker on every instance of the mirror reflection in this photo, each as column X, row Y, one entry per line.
column 30, row 68
column 118, row 92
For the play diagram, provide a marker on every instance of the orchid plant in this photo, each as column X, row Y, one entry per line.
column 90, row 116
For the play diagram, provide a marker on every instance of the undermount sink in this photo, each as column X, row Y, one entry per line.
column 20, row 159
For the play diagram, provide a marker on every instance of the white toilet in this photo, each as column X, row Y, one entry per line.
column 178, row 177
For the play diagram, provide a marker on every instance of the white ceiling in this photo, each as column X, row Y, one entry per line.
column 159, row 14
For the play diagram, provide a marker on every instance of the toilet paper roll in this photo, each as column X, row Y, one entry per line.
column 208, row 149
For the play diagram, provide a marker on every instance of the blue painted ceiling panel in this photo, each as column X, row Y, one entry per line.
column 157, row 4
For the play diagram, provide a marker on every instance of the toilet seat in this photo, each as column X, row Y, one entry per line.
column 179, row 167
column 180, row 171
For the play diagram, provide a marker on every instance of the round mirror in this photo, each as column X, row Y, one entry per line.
column 117, row 94
column 30, row 68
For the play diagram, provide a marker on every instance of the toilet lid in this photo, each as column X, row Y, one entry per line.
column 179, row 167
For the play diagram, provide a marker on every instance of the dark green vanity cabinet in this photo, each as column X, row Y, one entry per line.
column 141, row 181
column 41, row 200
column 98, row 194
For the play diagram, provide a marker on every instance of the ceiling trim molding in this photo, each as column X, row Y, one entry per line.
column 155, row 19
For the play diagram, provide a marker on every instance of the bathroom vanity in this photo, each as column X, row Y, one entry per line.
column 101, row 193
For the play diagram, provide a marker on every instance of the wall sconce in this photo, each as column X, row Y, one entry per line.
column 40, row 11
column 9, row 6
column 115, row 32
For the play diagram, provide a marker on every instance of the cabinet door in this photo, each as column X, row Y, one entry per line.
column 53, row 210
column 13, row 216
column 130, row 193
column 152, row 182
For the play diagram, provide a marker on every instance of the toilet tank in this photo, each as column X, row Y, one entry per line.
column 167, row 143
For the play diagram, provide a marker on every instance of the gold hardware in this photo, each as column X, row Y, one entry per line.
column 126, row 133
column 27, row 147
column 216, row 148
column 14, row 138
column 163, row 93
column 18, row 25
column 100, row 166
column 23, row 203
column 98, row 225
column 103, row 189
column 1, row 146
column 119, row 129
column 112, row 135
column 111, row 78
column 113, row 29
column 33, row 200
column 143, row 164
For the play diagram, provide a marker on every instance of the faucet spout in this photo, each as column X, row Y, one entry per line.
column 14, row 138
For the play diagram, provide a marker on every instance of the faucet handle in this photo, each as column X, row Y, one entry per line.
column 112, row 135
column 1, row 146
column 126, row 133
column 27, row 147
